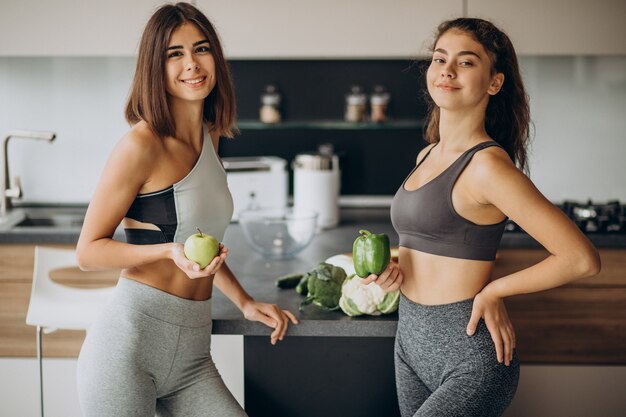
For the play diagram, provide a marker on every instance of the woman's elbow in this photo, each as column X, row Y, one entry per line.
column 82, row 260
column 589, row 263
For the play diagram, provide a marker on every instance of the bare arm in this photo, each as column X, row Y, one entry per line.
column 498, row 183
column 227, row 283
column 126, row 170
column 572, row 256
column 269, row 314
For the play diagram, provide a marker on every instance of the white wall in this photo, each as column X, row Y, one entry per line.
column 578, row 105
column 82, row 100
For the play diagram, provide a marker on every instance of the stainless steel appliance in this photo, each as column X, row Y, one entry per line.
column 590, row 216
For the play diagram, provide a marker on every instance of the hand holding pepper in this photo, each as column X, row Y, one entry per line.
column 389, row 280
column 371, row 256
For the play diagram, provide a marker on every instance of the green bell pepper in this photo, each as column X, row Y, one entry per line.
column 370, row 253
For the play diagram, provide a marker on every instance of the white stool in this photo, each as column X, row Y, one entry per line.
column 54, row 306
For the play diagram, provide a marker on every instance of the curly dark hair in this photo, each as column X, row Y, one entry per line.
column 507, row 118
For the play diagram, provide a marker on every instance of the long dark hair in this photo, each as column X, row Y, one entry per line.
column 507, row 118
column 148, row 98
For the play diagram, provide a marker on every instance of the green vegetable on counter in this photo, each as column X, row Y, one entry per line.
column 288, row 281
column 323, row 285
column 370, row 253
column 301, row 288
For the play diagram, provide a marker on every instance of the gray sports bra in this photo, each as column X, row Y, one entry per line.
column 426, row 220
column 201, row 199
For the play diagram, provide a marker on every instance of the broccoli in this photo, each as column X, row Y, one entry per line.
column 324, row 286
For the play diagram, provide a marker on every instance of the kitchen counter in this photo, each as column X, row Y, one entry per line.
column 257, row 275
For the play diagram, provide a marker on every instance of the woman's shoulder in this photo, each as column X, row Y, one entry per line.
column 493, row 157
column 142, row 140
column 490, row 162
column 138, row 148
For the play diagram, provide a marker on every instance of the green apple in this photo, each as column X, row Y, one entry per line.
column 201, row 248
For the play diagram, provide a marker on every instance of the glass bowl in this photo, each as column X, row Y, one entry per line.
column 278, row 233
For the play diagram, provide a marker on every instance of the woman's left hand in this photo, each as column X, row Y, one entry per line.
column 272, row 316
column 389, row 280
column 493, row 310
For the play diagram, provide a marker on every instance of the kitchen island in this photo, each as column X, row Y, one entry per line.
column 329, row 364
column 349, row 360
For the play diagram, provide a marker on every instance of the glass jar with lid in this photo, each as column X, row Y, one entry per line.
column 356, row 102
column 270, row 105
column 379, row 101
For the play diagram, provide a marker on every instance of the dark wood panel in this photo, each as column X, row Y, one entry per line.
column 571, row 325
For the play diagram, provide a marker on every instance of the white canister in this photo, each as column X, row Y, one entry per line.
column 316, row 181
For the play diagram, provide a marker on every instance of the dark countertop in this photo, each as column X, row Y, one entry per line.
column 257, row 274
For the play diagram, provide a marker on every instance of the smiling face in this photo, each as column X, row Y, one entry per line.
column 189, row 65
column 460, row 73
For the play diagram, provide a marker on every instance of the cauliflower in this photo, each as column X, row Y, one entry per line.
column 357, row 299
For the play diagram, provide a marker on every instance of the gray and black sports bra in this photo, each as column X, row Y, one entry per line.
column 426, row 220
column 201, row 199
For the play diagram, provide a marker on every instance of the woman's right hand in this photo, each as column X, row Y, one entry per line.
column 389, row 280
column 191, row 268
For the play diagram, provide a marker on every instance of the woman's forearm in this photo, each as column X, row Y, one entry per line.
column 227, row 283
column 552, row 272
column 106, row 253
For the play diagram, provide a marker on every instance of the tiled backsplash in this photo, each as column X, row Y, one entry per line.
column 577, row 103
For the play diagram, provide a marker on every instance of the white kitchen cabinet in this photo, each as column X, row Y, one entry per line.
column 248, row 28
column 73, row 27
column 558, row 27
column 313, row 29
column 328, row 28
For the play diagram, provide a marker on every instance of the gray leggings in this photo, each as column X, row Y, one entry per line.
column 441, row 371
column 149, row 353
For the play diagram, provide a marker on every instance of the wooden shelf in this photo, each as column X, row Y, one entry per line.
column 407, row 124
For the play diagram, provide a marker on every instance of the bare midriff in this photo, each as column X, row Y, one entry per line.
column 433, row 279
column 165, row 275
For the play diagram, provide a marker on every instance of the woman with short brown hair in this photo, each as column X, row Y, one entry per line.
column 149, row 351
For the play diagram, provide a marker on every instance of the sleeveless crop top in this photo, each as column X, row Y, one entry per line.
column 201, row 199
column 426, row 220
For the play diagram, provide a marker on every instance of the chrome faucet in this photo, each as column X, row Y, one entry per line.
column 6, row 190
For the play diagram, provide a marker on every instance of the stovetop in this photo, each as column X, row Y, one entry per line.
column 590, row 217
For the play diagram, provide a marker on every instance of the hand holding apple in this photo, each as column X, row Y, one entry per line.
column 201, row 248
